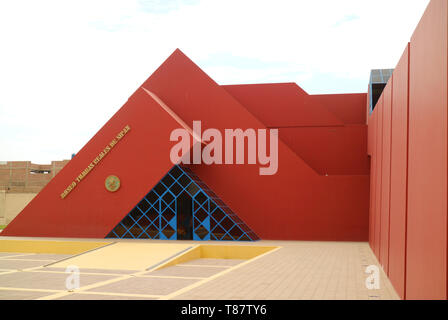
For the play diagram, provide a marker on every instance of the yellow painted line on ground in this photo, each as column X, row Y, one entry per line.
column 134, row 295
column 203, row 266
column 86, row 273
column 88, row 287
column 170, row 277
column 50, row 247
column 131, row 250
column 190, row 254
column 238, row 252
column 124, row 256
column 43, row 260
column 17, row 255
column 27, row 289
column 200, row 283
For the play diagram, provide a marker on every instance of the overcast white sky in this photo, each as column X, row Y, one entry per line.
column 67, row 66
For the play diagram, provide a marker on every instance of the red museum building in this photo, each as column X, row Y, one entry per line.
column 351, row 167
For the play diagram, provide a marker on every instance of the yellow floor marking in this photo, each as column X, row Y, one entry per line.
column 124, row 256
column 203, row 266
column 26, row 289
column 136, row 295
column 86, row 273
column 43, row 260
column 88, row 287
column 171, row 277
column 49, row 246
column 135, row 256
column 17, row 255
column 199, row 283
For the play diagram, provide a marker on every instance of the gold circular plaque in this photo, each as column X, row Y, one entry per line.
column 112, row 183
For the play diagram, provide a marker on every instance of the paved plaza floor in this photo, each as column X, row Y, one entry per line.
column 128, row 270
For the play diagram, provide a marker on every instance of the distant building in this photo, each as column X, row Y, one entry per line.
column 20, row 181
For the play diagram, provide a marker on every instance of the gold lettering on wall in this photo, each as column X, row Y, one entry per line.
column 95, row 161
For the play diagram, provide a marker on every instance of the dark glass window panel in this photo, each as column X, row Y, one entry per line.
column 218, row 232
column 227, row 237
column 226, row 223
column 176, row 172
column 200, row 197
column 244, row 238
column 184, row 181
column 212, row 206
column 236, row 232
column 152, row 214
column 218, row 215
column 163, row 206
column 168, row 181
column 144, row 236
column 135, row 214
column 153, row 231
column 120, row 230
column 168, row 231
column 168, row 198
column 201, row 215
column 160, row 189
column 128, row 222
column 152, row 197
column 168, row 215
column 192, row 189
column 201, row 232
column 111, row 235
column 144, row 205
column 135, row 230
column 176, row 189
column 127, row 235
column 144, row 222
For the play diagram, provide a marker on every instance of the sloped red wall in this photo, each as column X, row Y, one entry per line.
column 140, row 160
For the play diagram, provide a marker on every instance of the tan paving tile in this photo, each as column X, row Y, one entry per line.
column 89, row 270
column 187, row 271
column 150, row 286
column 214, row 262
column 20, row 264
column 300, row 270
column 21, row 295
column 39, row 256
column 81, row 296
column 43, row 280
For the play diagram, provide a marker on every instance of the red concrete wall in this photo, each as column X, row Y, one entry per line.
column 398, row 177
column 385, row 178
column 378, row 177
column 328, row 132
column 330, row 150
column 344, row 106
column 426, row 275
column 372, row 142
column 282, row 105
column 412, row 241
